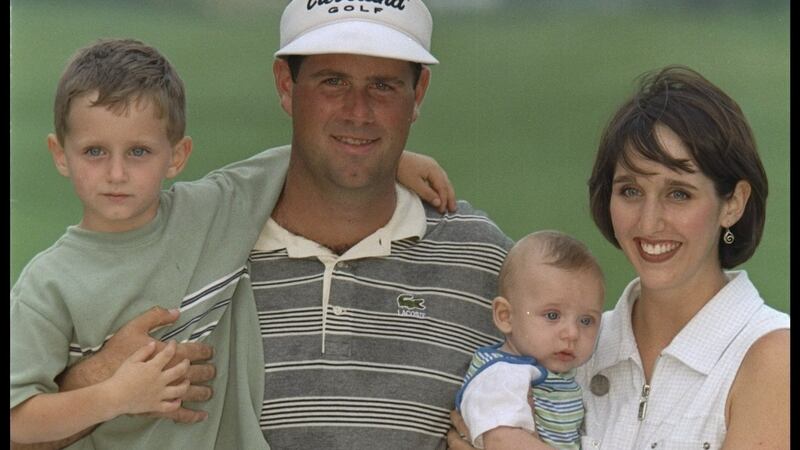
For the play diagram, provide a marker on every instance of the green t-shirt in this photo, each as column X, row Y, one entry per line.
column 71, row 297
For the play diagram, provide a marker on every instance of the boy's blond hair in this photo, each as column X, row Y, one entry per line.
column 122, row 71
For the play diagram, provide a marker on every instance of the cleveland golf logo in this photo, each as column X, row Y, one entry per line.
column 408, row 305
column 396, row 4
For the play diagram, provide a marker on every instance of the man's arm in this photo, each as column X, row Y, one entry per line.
column 129, row 338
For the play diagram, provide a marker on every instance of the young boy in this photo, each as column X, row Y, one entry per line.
column 549, row 309
column 120, row 122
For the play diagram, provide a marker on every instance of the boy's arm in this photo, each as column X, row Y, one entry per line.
column 141, row 384
column 133, row 336
column 423, row 175
column 122, row 344
column 55, row 445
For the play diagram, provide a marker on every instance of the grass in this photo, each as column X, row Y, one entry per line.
column 514, row 111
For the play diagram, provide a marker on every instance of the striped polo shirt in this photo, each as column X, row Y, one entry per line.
column 367, row 349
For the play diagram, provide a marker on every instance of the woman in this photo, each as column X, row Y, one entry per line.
column 690, row 357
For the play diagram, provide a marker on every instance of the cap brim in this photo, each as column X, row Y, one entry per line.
column 358, row 37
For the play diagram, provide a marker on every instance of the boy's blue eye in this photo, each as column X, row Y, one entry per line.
column 94, row 151
column 139, row 151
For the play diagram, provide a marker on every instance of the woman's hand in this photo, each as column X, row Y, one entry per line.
column 458, row 437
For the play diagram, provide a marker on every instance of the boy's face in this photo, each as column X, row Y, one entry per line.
column 117, row 161
column 555, row 315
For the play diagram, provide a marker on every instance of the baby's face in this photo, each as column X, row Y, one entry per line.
column 555, row 315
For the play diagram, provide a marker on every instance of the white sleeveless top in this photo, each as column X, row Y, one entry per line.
column 685, row 407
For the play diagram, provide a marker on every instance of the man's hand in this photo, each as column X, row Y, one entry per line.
column 131, row 337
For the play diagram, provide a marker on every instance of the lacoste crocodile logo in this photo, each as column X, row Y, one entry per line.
column 410, row 306
column 410, row 302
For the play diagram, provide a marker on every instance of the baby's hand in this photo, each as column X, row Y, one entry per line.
column 141, row 385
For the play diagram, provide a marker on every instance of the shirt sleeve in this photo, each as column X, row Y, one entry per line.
column 498, row 396
column 38, row 353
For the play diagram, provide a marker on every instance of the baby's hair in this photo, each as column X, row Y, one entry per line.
column 550, row 247
column 122, row 71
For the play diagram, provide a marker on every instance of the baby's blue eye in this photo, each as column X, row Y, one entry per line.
column 586, row 321
column 552, row 315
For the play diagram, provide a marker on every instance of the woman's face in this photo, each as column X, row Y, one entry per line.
column 668, row 222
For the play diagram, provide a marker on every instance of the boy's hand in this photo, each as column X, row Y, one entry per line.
column 143, row 384
column 423, row 175
column 133, row 336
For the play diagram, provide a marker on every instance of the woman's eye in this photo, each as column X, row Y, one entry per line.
column 679, row 195
column 629, row 192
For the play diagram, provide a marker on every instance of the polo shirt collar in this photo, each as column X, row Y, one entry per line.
column 407, row 221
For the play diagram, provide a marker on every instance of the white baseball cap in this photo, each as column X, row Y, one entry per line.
column 397, row 29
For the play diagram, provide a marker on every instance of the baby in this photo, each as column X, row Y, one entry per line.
column 549, row 309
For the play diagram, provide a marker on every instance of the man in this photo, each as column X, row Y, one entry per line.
column 369, row 303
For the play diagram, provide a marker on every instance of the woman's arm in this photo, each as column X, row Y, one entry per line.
column 757, row 412
column 498, row 438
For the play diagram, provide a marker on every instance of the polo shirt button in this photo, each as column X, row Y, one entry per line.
column 338, row 310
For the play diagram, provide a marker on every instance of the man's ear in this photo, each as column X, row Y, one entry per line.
column 420, row 90
column 57, row 152
column 283, row 83
column 501, row 314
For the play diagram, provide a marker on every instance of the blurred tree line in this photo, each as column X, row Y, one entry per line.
column 237, row 7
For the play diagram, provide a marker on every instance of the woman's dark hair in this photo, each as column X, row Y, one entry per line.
column 716, row 133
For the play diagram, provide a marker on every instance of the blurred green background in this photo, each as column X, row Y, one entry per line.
column 514, row 112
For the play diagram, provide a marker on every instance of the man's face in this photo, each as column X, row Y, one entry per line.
column 351, row 117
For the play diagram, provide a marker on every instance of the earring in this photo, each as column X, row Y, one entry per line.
column 728, row 237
